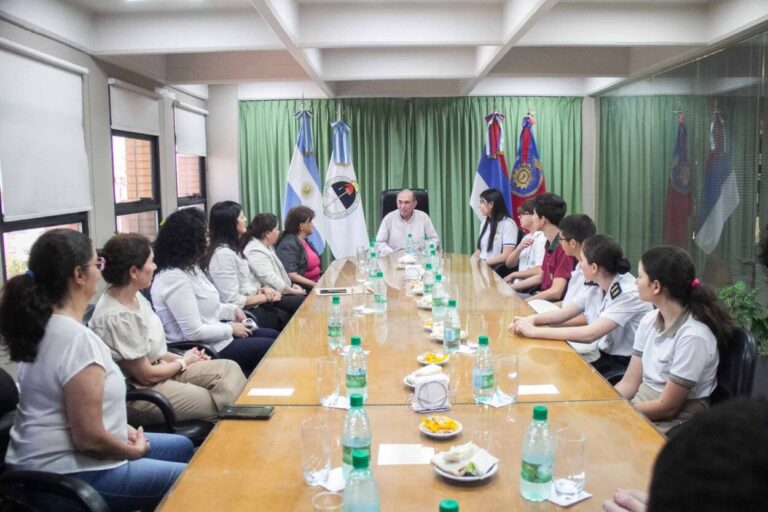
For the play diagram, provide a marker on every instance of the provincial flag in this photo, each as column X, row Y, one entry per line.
column 720, row 193
column 342, row 207
column 303, row 185
column 527, row 174
column 677, row 211
column 492, row 170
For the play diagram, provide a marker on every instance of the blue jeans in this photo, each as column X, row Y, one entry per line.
column 141, row 484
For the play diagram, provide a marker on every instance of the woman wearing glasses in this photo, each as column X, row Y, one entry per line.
column 71, row 417
column 196, row 386
column 529, row 253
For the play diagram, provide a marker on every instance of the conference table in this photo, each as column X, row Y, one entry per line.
column 255, row 465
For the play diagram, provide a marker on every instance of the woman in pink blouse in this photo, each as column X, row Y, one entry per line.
column 301, row 260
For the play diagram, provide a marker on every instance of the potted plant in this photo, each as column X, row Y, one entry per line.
column 749, row 314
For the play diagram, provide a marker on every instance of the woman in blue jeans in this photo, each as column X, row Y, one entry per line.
column 71, row 417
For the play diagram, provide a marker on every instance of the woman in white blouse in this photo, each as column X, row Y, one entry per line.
column 188, row 303
column 196, row 386
column 673, row 369
column 71, row 417
column 228, row 269
column 261, row 238
column 498, row 235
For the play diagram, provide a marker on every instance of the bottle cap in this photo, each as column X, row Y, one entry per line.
column 434, row 252
column 449, row 506
column 379, row 274
column 482, row 341
column 439, row 277
column 410, row 235
column 335, row 299
column 428, row 266
column 356, row 400
column 451, row 303
column 355, row 341
column 373, row 254
column 360, row 459
column 540, row 413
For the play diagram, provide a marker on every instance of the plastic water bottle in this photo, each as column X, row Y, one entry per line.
column 356, row 369
column 373, row 265
column 335, row 329
column 379, row 293
column 356, row 434
column 361, row 494
column 449, row 506
column 438, row 300
column 409, row 248
column 538, row 456
column 428, row 280
column 434, row 260
column 483, row 381
column 451, row 329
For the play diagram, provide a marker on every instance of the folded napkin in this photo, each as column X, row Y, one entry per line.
column 406, row 259
column 465, row 460
column 430, row 369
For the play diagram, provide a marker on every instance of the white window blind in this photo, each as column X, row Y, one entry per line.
column 133, row 109
column 190, row 130
column 43, row 162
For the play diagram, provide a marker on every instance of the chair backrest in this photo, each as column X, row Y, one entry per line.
column 389, row 200
column 9, row 397
column 736, row 370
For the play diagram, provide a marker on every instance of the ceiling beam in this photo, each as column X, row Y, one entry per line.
column 398, row 63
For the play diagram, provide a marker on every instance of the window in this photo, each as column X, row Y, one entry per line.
column 136, row 183
column 190, row 180
column 18, row 237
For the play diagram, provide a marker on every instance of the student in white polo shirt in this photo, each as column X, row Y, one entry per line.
column 673, row 370
column 612, row 324
column 498, row 232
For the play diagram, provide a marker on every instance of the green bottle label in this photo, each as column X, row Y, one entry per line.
column 536, row 473
column 346, row 454
column 356, row 380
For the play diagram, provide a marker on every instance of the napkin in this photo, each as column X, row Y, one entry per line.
column 406, row 259
column 470, row 457
column 430, row 369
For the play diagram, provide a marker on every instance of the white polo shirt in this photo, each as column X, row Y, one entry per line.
column 588, row 297
column 684, row 353
column 505, row 236
column 621, row 305
column 533, row 255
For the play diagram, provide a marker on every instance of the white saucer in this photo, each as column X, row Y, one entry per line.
column 407, row 382
column 442, row 435
column 455, row 478
column 422, row 304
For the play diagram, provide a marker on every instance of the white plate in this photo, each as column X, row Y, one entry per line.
column 455, row 478
column 424, row 304
column 408, row 382
column 442, row 435
column 420, row 358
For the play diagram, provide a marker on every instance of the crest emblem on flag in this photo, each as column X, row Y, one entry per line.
column 340, row 197
column 527, row 175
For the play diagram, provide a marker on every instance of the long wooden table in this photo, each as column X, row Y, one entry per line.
column 254, row 465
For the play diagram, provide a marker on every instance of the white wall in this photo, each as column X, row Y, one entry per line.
column 223, row 135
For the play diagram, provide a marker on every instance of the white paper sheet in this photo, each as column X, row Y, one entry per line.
column 401, row 454
column 270, row 392
column 538, row 389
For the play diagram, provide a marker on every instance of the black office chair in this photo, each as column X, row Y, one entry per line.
column 388, row 200
column 194, row 430
column 20, row 490
column 736, row 370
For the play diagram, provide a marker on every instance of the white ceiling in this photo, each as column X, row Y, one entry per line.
column 391, row 47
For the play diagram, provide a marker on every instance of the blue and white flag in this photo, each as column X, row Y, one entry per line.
column 720, row 193
column 344, row 217
column 303, row 186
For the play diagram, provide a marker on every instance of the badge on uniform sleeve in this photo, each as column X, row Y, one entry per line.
column 615, row 290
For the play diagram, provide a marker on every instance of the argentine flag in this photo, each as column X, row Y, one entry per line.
column 303, row 186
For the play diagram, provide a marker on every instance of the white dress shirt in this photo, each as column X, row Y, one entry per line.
column 394, row 230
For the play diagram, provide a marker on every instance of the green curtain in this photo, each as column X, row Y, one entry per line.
column 432, row 143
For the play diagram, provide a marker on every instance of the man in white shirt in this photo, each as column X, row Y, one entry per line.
column 396, row 225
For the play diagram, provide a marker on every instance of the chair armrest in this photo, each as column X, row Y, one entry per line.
column 157, row 399
column 17, row 485
column 186, row 345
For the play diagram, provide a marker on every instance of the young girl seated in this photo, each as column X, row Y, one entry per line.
column 673, row 370
column 613, row 321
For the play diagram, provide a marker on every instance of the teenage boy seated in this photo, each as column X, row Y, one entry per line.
column 552, row 281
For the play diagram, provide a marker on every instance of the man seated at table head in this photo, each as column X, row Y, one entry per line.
column 396, row 225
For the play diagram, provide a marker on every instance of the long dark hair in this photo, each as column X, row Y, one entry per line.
column 673, row 268
column 120, row 253
column 181, row 241
column 27, row 300
column 498, row 213
column 295, row 217
column 606, row 253
column 222, row 226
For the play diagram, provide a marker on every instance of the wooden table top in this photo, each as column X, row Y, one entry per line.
column 255, row 465
column 397, row 337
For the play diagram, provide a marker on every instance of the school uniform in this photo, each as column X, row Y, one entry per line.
column 505, row 236
column 555, row 264
column 588, row 297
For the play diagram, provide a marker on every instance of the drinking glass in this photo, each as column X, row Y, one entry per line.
column 476, row 326
column 327, row 501
column 568, row 471
column 361, row 271
column 327, row 380
column 315, row 450
column 507, row 377
column 452, row 292
column 456, row 375
column 445, row 268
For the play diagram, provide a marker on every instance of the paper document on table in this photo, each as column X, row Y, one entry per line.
column 270, row 392
column 401, row 454
column 543, row 306
column 538, row 389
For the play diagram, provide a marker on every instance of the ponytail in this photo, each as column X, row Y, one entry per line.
column 606, row 253
column 27, row 300
column 673, row 268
